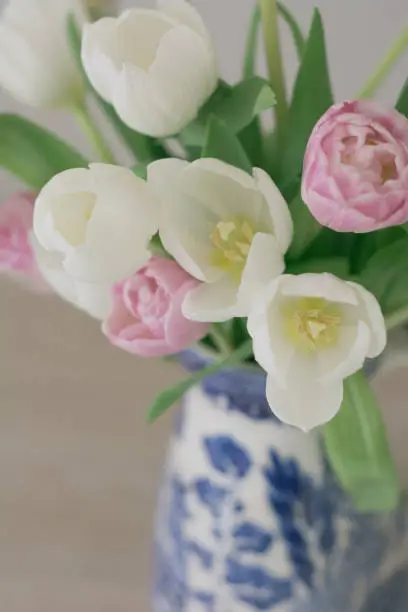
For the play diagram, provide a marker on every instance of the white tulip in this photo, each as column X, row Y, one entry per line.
column 310, row 332
column 93, row 298
column 157, row 67
column 99, row 221
column 36, row 66
column 226, row 228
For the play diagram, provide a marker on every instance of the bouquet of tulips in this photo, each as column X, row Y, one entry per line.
column 287, row 247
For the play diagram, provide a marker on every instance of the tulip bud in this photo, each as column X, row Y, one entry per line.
column 36, row 66
column 35, row 62
column 157, row 67
column 98, row 221
column 355, row 176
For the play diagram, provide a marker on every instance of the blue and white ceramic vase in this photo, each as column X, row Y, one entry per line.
column 250, row 517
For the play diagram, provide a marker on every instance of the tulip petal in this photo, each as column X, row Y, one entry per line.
column 347, row 355
column 265, row 262
column 93, row 298
column 278, row 209
column 139, row 33
column 70, row 181
column 138, row 104
column 304, row 402
column 212, row 302
column 104, row 260
column 123, row 193
column 184, row 75
column 272, row 350
column 100, row 56
column 50, row 266
column 371, row 313
column 167, row 274
column 181, row 332
column 106, row 235
column 61, row 188
column 35, row 63
column 185, row 224
column 183, row 12
column 226, row 171
column 163, row 175
column 223, row 190
column 190, row 247
column 324, row 286
column 157, row 67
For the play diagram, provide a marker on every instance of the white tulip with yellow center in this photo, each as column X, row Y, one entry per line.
column 99, row 221
column 228, row 229
column 157, row 67
column 310, row 332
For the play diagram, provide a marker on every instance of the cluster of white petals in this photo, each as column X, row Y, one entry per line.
column 95, row 226
column 310, row 332
column 228, row 229
column 36, row 66
column 157, row 67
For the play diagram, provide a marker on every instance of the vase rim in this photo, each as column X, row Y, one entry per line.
column 209, row 356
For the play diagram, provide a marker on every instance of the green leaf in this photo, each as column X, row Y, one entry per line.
column 311, row 98
column 222, row 144
column 193, row 135
column 253, row 31
column 329, row 243
column 140, row 170
column 388, row 236
column 32, row 153
column 339, row 266
column 156, row 247
column 146, row 149
column 235, row 106
column 251, row 139
column 171, row 396
column 386, row 276
column 402, row 103
column 239, row 331
column 296, row 32
column 366, row 245
column 306, row 228
column 358, row 449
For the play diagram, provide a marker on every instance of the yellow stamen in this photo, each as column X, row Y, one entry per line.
column 232, row 239
column 311, row 323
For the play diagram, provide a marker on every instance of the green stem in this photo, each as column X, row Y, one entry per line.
column 220, row 339
column 385, row 66
column 92, row 131
column 251, row 43
column 269, row 16
column 293, row 25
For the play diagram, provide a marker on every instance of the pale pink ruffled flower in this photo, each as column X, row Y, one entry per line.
column 146, row 317
column 16, row 253
column 355, row 176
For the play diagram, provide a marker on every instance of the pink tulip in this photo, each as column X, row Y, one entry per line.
column 355, row 176
column 16, row 253
column 146, row 317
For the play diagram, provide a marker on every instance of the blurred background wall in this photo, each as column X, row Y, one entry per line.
column 78, row 465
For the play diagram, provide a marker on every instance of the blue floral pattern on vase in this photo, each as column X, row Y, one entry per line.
column 250, row 517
